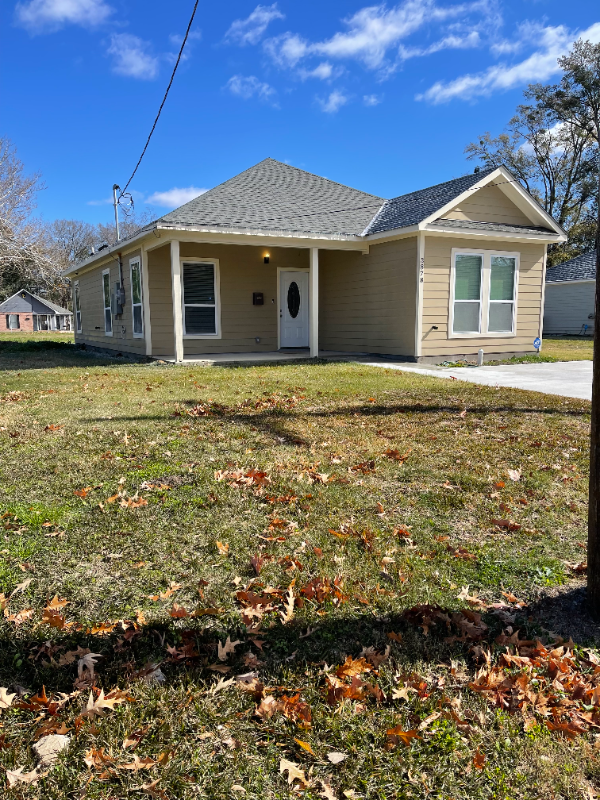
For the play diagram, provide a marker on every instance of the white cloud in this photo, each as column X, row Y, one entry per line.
column 248, row 86
column 334, row 102
column 374, row 31
column 131, row 57
column 47, row 16
column 177, row 38
column 251, row 29
column 541, row 65
column 174, row 197
column 323, row 71
column 371, row 100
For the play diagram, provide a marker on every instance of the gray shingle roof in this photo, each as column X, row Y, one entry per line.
column 32, row 304
column 580, row 268
column 277, row 197
column 414, row 207
column 490, row 226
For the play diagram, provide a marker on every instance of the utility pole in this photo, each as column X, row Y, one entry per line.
column 116, row 189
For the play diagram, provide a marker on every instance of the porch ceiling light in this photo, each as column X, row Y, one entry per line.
column 266, row 258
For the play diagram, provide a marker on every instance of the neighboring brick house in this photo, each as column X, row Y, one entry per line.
column 27, row 312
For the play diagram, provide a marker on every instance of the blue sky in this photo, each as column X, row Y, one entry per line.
column 381, row 97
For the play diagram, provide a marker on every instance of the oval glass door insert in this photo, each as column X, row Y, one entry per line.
column 293, row 299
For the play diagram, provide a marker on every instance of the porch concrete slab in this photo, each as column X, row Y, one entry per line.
column 563, row 378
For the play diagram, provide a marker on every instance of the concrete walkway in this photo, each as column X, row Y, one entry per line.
column 566, row 378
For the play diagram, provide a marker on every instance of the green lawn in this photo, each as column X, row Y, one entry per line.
column 348, row 539
column 569, row 348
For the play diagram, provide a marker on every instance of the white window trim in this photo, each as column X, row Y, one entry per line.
column 484, row 308
column 132, row 263
column 215, row 262
column 77, row 307
column 106, row 333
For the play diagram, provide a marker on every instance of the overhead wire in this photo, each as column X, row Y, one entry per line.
column 185, row 38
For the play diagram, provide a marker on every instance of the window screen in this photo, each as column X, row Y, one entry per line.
column 199, row 299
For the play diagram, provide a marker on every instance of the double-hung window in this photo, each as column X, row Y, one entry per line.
column 77, row 306
column 483, row 293
column 12, row 322
column 106, row 301
column 200, row 298
column 136, row 297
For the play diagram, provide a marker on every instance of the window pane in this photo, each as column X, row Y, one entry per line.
column 78, row 315
column 76, row 298
column 466, row 318
column 137, row 319
column 106, row 286
column 107, row 320
column 500, row 317
column 200, row 320
column 502, row 279
column 468, row 277
column 136, row 286
column 199, row 283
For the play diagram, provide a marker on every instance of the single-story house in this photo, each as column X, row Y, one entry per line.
column 571, row 296
column 277, row 259
column 24, row 311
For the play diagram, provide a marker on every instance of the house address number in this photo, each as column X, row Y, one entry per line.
column 421, row 269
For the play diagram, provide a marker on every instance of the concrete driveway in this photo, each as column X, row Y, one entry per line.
column 566, row 378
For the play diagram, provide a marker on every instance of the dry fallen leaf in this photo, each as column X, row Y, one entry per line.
column 514, row 474
column 223, row 548
column 18, row 776
column 294, row 772
column 478, row 760
column 336, row 758
column 225, row 649
column 6, row 698
column 20, row 587
column 327, row 793
column 47, row 749
column 305, row 746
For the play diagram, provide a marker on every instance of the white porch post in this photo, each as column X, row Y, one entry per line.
column 176, row 294
column 313, row 302
column 146, row 302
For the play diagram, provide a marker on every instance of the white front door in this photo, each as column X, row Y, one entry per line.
column 293, row 308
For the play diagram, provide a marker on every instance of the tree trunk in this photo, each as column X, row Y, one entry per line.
column 594, row 502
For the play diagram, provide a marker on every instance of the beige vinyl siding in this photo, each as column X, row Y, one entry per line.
column 161, row 303
column 367, row 303
column 489, row 204
column 242, row 272
column 436, row 298
column 568, row 306
column 92, row 309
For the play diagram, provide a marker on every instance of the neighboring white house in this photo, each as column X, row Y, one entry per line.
column 570, row 295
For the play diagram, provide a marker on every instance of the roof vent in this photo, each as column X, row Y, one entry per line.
column 92, row 251
column 103, row 246
column 477, row 170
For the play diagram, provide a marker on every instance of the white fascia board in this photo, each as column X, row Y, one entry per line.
column 395, row 233
column 530, row 236
column 266, row 238
column 97, row 258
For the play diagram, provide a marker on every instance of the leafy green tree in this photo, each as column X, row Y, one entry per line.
column 555, row 161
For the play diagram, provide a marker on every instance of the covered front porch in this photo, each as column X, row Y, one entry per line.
column 213, row 300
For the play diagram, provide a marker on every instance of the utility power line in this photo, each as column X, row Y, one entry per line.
column 185, row 38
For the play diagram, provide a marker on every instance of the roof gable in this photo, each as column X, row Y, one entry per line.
column 30, row 304
column 415, row 207
column 277, row 197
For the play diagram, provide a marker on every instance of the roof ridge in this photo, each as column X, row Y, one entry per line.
column 320, row 177
column 480, row 174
